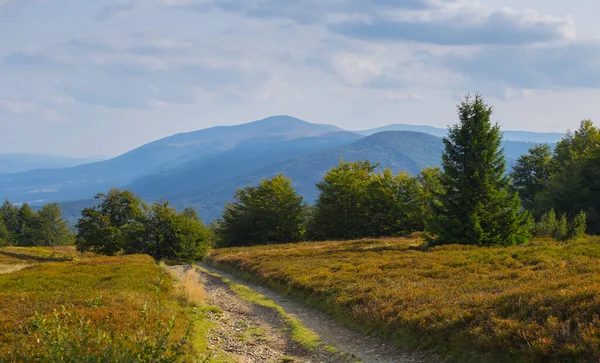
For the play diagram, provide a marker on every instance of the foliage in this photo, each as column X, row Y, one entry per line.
column 532, row 173
column 8, row 214
column 24, row 227
column 339, row 210
column 534, row 302
column 476, row 206
column 578, row 225
column 393, row 204
column 122, row 223
column 270, row 212
column 5, row 235
column 560, row 229
column 165, row 234
column 575, row 182
column 25, row 232
column 107, row 227
column 49, row 228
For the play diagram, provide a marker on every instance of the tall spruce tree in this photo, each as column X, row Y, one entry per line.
column 476, row 206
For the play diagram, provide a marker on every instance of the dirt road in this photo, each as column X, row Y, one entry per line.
column 252, row 333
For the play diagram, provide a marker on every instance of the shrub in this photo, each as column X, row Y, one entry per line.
column 578, row 225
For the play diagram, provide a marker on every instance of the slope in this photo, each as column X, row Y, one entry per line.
column 85, row 180
column 524, row 136
column 410, row 151
column 15, row 163
column 217, row 167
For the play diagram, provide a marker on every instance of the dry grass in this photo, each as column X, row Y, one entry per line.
column 193, row 288
column 537, row 302
column 124, row 303
column 19, row 255
column 7, row 269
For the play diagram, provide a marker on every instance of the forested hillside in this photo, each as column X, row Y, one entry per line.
column 204, row 168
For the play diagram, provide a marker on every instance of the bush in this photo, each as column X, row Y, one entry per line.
column 560, row 229
column 578, row 225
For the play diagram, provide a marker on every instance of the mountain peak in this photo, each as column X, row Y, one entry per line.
column 285, row 122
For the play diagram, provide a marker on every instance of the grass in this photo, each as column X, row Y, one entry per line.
column 98, row 309
column 538, row 302
column 20, row 255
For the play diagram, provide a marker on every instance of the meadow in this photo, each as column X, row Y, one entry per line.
column 64, row 306
column 538, row 302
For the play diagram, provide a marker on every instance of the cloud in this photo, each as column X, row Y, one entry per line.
column 565, row 65
column 116, row 10
column 300, row 11
column 470, row 26
column 28, row 108
column 137, row 71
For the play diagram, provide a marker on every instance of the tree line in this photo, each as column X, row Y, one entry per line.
column 122, row 223
column 22, row 226
column 470, row 200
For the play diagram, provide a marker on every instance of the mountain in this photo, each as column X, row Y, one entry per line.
column 398, row 150
column 15, row 163
column 524, row 136
column 204, row 168
column 410, row 151
column 86, row 180
column 209, row 169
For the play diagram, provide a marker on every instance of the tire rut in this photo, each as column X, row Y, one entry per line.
column 357, row 345
column 248, row 332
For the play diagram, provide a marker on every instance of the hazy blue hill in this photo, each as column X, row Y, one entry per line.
column 410, row 151
column 155, row 157
column 15, row 163
column 524, row 136
column 245, row 158
column 398, row 150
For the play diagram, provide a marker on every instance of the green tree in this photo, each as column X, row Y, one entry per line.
column 476, row 206
column 432, row 190
column 26, row 219
column 50, row 228
column 108, row 227
column 165, row 234
column 575, row 185
column 532, row 173
column 270, row 212
column 547, row 226
column 394, row 205
column 561, row 232
column 9, row 215
column 340, row 210
column 577, row 226
column 5, row 235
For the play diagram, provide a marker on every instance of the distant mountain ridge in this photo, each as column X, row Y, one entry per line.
column 15, row 163
column 523, row 136
column 203, row 168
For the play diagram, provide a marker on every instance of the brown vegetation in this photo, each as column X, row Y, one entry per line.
column 535, row 302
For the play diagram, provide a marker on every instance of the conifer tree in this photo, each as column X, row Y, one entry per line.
column 476, row 206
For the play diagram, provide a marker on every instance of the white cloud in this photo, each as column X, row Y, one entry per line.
column 31, row 109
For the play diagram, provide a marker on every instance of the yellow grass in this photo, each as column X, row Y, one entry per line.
column 537, row 302
column 7, row 269
column 89, row 307
column 193, row 288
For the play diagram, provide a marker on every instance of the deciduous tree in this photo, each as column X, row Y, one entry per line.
column 270, row 212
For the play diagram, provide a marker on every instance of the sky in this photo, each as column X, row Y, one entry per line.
column 82, row 78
